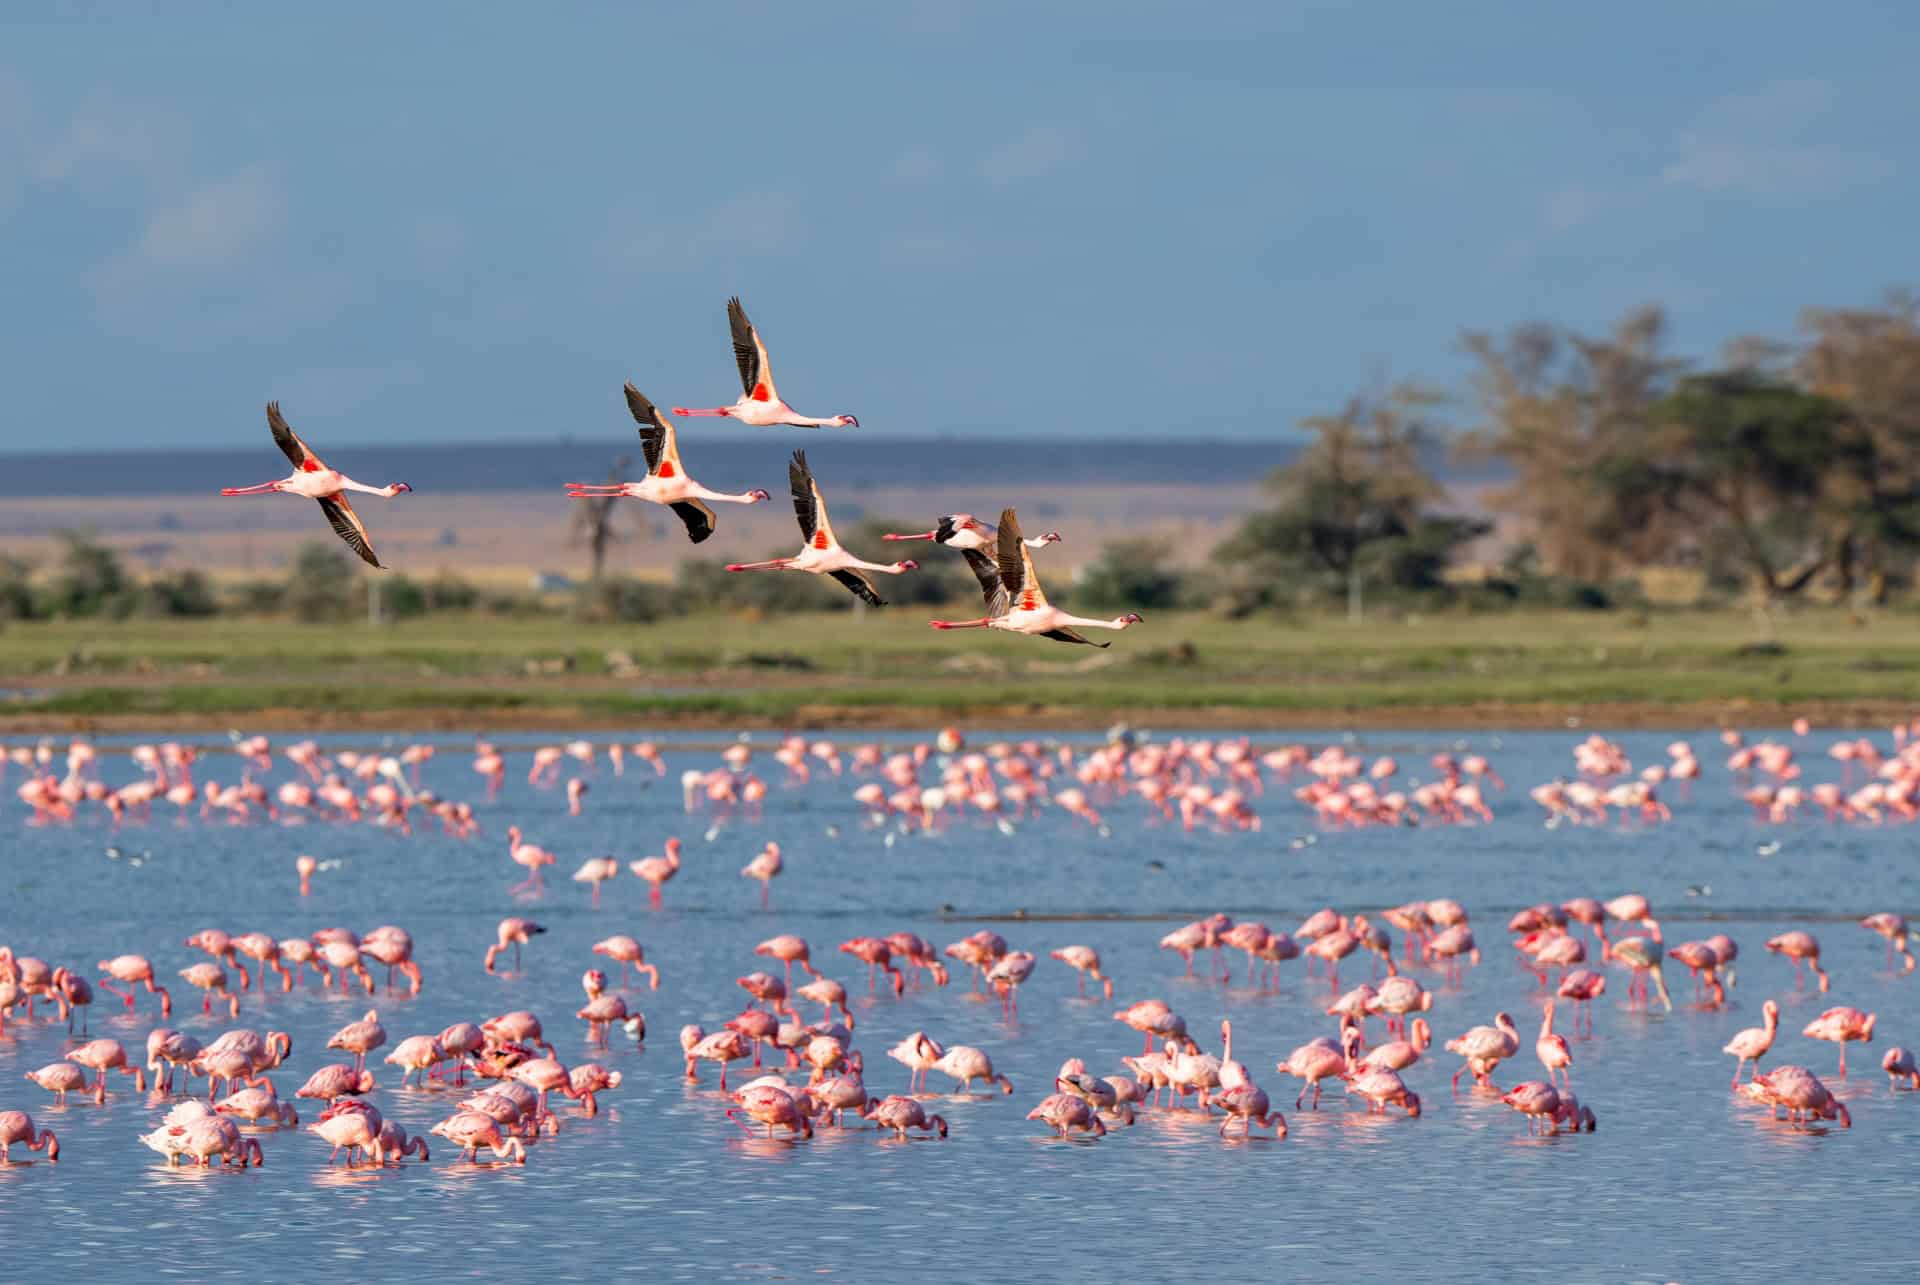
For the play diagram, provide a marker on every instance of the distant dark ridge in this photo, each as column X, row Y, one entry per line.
column 843, row 461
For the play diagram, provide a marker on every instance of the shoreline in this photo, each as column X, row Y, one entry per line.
column 1487, row 716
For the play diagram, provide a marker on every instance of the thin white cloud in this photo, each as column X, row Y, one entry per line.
column 1035, row 154
column 102, row 138
column 202, row 235
column 1773, row 140
column 917, row 164
column 758, row 223
column 1573, row 204
column 215, row 225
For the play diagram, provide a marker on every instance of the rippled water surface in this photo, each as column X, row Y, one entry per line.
column 1681, row 1182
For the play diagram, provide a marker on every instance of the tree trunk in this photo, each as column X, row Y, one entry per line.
column 1353, row 594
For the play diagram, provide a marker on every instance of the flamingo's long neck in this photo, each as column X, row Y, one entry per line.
column 720, row 497
column 1088, row 622
column 890, row 568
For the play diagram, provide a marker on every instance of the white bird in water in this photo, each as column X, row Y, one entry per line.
column 1016, row 603
column 666, row 481
column 822, row 554
column 760, row 403
column 313, row 479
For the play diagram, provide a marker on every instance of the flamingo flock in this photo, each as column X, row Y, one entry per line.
column 811, row 1074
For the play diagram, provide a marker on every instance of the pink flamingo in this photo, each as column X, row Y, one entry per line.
column 1552, row 1050
column 313, row 479
column 760, row 403
column 764, row 867
column 1484, row 1048
column 822, row 554
column 876, row 954
column 1017, row 604
column 657, row 870
column 360, row 1038
column 1801, row 947
column 596, row 871
column 630, row 954
column 131, row 970
column 1894, row 928
column 17, row 1127
column 516, row 932
column 470, row 1130
column 1644, row 957
column 666, row 483
column 1841, row 1026
column 1086, row 961
column 1752, row 1044
column 789, row 950
column 770, row 1105
column 1899, row 1065
column 530, row 855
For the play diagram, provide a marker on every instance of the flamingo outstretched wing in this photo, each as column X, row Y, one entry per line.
column 756, row 374
column 1066, row 635
column 988, row 574
column 289, row 442
column 1016, row 566
column 346, row 525
column 809, row 506
column 697, row 516
column 656, row 434
column 860, row 587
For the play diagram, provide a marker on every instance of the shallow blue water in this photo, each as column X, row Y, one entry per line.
column 1681, row 1182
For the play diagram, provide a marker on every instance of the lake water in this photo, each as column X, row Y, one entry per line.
column 1681, row 1182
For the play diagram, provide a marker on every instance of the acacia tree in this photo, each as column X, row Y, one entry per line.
column 1355, row 503
column 1557, row 407
column 1752, row 460
column 593, row 523
column 1870, row 359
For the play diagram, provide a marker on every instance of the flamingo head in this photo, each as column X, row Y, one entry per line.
column 402, row 488
column 907, row 564
column 845, row 421
column 1051, row 537
column 758, row 496
column 1131, row 618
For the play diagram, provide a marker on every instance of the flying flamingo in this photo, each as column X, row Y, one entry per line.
column 760, row 403
column 978, row 542
column 1752, row 1044
column 822, row 553
column 316, row 481
column 657, row 870
column 666, row 481
column 1019, row 605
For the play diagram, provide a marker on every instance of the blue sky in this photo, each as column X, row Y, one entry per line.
column 451, row 222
